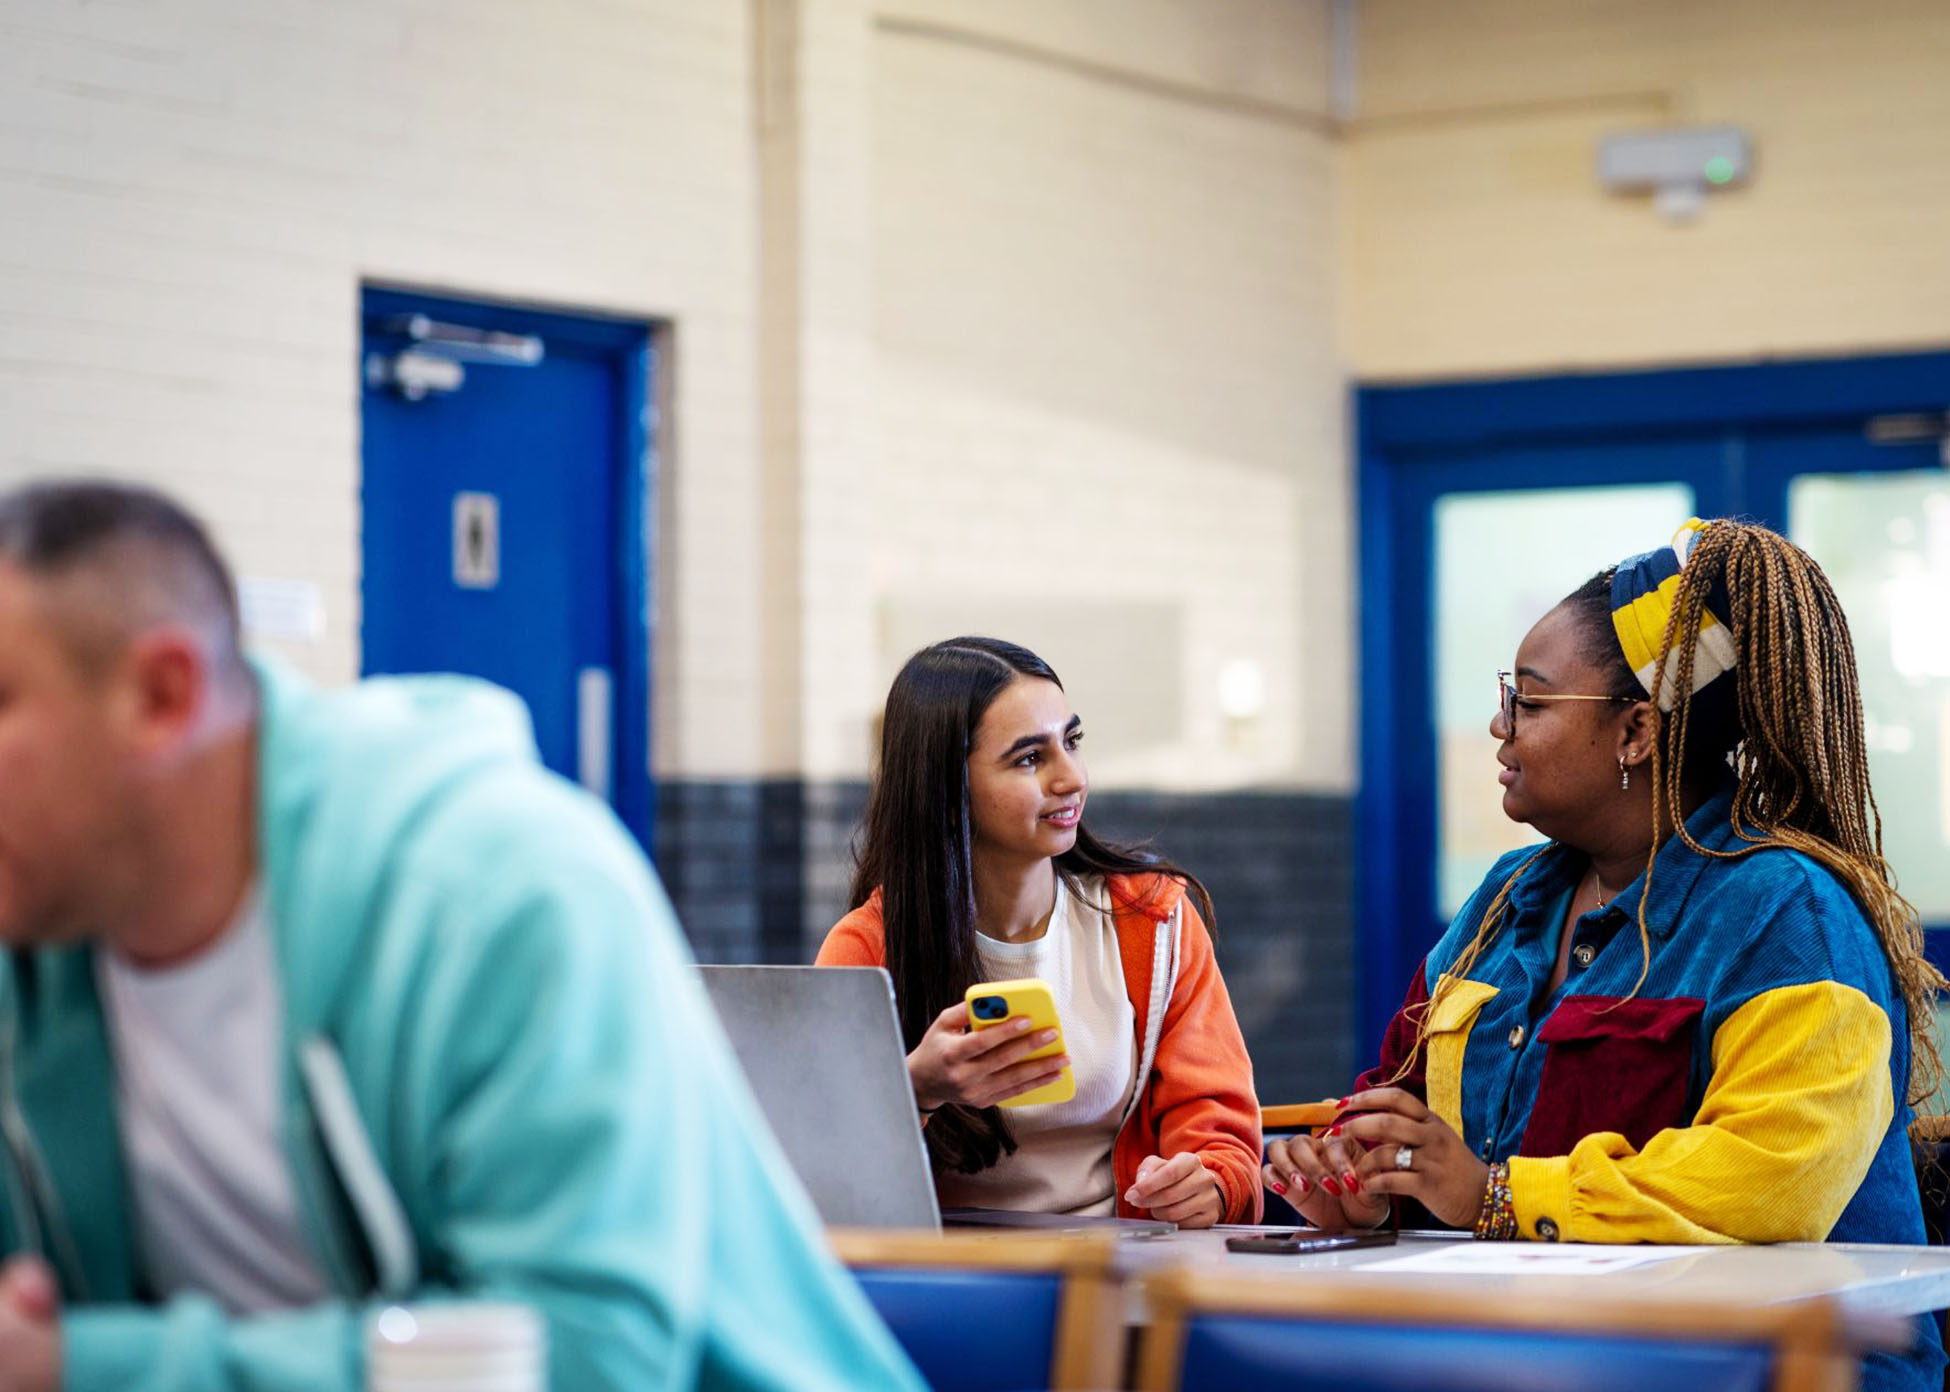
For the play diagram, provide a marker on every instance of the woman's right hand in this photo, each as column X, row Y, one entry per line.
column 1316, row 1174
column 978, row 1068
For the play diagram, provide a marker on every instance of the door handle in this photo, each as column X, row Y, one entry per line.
column 595, row 702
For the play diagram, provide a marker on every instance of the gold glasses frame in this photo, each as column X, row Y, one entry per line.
column 1507, row 697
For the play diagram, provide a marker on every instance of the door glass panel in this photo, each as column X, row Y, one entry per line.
column 1884, row 540
column 1502, row 560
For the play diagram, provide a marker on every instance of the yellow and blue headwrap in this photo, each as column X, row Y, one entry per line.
column 1643, row 592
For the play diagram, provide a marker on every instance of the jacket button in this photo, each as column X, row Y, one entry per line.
column 1583, row 953
column 1516, row 1037
column 1546, row 1230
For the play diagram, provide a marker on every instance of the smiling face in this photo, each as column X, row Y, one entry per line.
column 1560, row 764
column 1026, row 779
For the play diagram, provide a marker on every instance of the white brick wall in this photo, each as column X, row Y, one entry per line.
column 1041, row 335
column 192, row 190
column 1057, row 342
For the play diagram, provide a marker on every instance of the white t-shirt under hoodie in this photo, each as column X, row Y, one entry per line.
column 1062, row 1163
column 199, row 1092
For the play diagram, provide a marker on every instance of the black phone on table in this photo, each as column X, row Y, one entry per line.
column 1310, row 1240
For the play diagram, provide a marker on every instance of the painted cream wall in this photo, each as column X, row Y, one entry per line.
column 1107, row 407
column 1270, row 51
column 193, row 192
column 819, row 381
column 1478, row 242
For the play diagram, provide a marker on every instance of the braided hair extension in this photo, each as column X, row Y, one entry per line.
column 1801, row 763
column 1485, row 933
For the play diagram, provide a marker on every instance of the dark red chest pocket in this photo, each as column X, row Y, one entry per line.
column 1614, row 1065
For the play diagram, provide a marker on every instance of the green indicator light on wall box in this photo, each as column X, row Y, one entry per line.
column 1677, row 165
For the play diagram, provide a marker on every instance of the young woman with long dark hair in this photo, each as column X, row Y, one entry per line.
column 974, row 865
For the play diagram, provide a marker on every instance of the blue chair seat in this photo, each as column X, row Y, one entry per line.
column 1235, row 1353
column 1213, row 1331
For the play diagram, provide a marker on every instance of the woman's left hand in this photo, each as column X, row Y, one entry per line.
column 1443, row 1174
column 1179, row 1190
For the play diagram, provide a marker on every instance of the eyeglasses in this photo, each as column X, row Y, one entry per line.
column 1507, row 698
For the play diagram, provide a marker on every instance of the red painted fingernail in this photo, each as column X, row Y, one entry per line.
column 1342, row 1102
column 1279, row 1188
column 1333, row 1130
column 1331, row 1187
column 1299, row 1185
column 1353, row 1184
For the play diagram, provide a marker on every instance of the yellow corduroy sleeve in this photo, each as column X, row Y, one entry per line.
column 1799, row 1101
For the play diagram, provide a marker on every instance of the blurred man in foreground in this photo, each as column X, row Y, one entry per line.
column 322, row 1000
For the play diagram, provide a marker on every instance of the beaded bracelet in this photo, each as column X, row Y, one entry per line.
column 1497, row 1222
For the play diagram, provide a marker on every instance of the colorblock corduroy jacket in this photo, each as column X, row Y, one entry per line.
column 1751, row 1089
column 1195, row 1081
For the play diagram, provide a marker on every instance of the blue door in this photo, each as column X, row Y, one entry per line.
column 1483, row 503
column 503, row 497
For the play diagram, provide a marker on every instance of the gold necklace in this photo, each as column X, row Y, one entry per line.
column 1598, row 889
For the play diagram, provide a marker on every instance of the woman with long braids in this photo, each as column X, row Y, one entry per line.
column 1700, row 1012
column 974, row 866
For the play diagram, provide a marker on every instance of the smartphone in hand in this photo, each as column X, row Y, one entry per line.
column 1300, row 1243
column 991, row 1003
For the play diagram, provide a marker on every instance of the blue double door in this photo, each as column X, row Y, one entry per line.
column 504, row 498
column 1486, row 494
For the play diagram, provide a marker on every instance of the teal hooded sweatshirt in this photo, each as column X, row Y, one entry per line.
column 501, row 1082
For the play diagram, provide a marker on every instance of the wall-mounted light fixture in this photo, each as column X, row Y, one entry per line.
column 1242, row 688
column 1679, row 166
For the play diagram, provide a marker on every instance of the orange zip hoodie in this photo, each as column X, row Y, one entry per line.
column 1196, row 1081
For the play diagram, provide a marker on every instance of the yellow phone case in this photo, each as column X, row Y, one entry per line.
column 1029, row 996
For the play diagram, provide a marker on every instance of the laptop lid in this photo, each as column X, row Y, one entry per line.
column 821, row 1047
column 1055, row 1222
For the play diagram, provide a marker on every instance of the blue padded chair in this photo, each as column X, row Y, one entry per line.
column 1216, row 1333
column 1001, row 1312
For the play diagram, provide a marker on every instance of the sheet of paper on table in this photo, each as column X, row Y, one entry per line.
column 1528, row 1259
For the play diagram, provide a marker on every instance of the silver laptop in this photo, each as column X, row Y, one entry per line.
column 822, row 1049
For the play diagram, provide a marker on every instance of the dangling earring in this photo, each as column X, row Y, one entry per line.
column 1624, row 774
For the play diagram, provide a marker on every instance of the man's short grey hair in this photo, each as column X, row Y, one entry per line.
column 121, row 558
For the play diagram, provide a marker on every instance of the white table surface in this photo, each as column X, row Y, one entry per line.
column 1873, row 1284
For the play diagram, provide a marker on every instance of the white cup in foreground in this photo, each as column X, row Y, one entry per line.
column 457, row 1347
